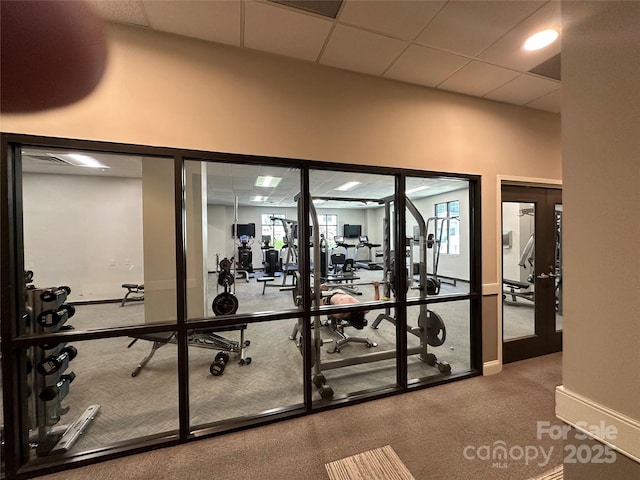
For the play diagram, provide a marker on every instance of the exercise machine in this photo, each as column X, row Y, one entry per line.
column 431, row 329
column 369, row 263
column 270, row 256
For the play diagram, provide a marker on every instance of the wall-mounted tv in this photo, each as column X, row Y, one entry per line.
column 352, row 231
column 244, row 229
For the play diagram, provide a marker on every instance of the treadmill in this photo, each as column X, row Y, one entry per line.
column 370, row 263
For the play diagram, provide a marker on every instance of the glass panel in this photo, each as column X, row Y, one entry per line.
column 102, row 225
column 437, row 245
column 438, row 339
column 355, row 356
column 82, row 396
column 558, row 269
column 240, row 269
column 352, row 260
column 518, row 269
column 238, row 387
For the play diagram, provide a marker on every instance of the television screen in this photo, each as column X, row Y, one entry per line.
column 352, row 231
column 248, row 229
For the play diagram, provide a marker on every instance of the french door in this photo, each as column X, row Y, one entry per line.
column 531, row 271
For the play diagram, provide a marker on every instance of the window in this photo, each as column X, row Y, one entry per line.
column 273, row 229
column 328, row 225
column 449, row 212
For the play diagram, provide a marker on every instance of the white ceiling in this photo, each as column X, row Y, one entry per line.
column 470, row 47
column 226, row 182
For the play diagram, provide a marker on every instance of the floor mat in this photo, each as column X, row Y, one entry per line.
column 555, row 474
column 378, row 464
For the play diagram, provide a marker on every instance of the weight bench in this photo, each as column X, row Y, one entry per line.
column 264, row 281
column 337, row 325
column 135, row 289
column 205, row 338
column 514, row 291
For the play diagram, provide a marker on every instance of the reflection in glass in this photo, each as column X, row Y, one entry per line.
column 98, row 222
column 518, row 266
column 82, row 396
column 437, row 244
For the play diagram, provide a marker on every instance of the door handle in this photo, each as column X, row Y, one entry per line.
column 545, row 276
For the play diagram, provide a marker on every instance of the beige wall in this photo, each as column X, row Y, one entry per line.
column 166, row 91
column 601, row 155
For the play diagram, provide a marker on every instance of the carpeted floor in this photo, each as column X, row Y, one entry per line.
column 438, row 433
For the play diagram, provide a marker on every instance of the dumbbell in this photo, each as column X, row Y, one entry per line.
column 51, row 318
column 59, row 390
column 53, row 293
column 219, row 363
column 54, row 363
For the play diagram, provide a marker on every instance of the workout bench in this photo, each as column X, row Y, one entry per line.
column 206, row 338
column 264, row 281
column 515, row 290
column 337, row 325
column 135, row 289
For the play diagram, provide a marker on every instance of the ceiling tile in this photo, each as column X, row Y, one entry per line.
column 400, row 19
column 130, row 12
column 508, row 50
column 425, row 66
column 361, row 51
column 523, row 89
column 469, row 27
column 551, row 102
column 478, row 79
column 215, row 21
column 283, row 31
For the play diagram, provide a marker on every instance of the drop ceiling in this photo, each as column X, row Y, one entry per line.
column 228, row 182
column 468, row 47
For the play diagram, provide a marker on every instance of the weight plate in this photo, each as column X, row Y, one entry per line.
column 225, row 304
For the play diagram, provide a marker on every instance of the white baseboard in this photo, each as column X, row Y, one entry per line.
column 491, row 368
column 584, row 414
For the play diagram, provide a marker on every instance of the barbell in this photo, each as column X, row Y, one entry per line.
column 433, row 286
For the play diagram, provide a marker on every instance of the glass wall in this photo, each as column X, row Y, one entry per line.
column 97, row 228
column 243, row 255
column 354, row 271
column 168, row 295
column 102, row 226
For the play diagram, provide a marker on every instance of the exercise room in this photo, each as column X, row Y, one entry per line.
column 261, row 274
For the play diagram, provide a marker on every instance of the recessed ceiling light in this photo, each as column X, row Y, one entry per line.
column 267, row 181
column 347, row 186
column 258, row 198
column 540, row 39
column 317, row 201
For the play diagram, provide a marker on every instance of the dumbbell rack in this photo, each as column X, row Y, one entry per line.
column 48, row 375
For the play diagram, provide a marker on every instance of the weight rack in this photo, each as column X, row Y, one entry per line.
column 48, row 374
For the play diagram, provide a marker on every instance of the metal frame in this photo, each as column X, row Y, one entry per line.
column 12, row 284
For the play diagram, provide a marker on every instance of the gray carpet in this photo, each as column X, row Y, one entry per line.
column 428, row 429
